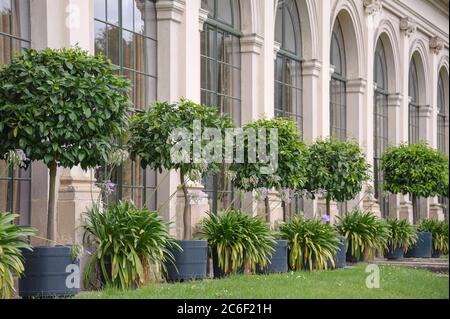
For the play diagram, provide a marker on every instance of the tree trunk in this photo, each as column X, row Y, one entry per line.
column 328, row 207
column 52, row 202
column 283, row 205
column 186, row 210
column 267, row 208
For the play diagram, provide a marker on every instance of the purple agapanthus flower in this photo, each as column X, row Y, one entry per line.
column 326, row 218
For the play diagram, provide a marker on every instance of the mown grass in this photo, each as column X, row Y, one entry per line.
column 349, row 283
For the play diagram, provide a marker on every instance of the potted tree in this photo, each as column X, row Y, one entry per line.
column 163, row 137
column 337, row 171
column 63, row 107
column 421, row 171
column 289, row 172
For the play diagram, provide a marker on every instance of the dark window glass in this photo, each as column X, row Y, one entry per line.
column 221, row 83
column 380, row 125
column 442, row 131
column 125, row 31
column 15, row 184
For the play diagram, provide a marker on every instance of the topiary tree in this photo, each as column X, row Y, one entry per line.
column 290, row 169
column 165, row 131
column 336, row 169
column 63, row 107
column 415, row 169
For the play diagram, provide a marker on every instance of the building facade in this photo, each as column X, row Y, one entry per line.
column 374, row 71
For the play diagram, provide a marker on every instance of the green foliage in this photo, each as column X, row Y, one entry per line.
column 402, row 234
column 291, row 160
column 439, row 231
column 12, row 241
column 415, row 169
column 151, row 134
column 63, row 106
column 339, row 168
column 365, row 233
column 312, row 243
column 238, row 239
column 135, row 240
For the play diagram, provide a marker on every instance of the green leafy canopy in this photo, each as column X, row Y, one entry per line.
column 415, row 169
column 150, row 133
column 64, row 106
column 291, row 161
column 339, row 168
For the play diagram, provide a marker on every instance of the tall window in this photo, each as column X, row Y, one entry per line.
column 413, row 123
column 125, row 31
column 221, row 81
column 15, row 184
column 442, row 133
column 413, row 113
column 288, row 76
column 380, row 124
column 288, row 67
column 338, row 90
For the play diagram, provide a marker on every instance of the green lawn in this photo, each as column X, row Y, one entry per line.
column 396, row 282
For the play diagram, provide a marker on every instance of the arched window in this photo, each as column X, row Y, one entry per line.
column 442, row 128
column 380, row 124
column 15, row 185
column 338, row 90
column 413, row 113
column 413, row 123
column 125, row 31
column 288, row 76
column 221, row 81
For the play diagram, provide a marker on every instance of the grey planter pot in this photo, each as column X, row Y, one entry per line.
column 191, row 263
column 339, row 258
column 423, row 247
column 279, row 260
column 393, row 254
column 217, row 271
column 47, row 273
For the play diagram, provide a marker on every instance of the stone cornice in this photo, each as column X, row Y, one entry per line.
column 356, row 85
column 372, row 6
column 202, row 17
column 172, row 10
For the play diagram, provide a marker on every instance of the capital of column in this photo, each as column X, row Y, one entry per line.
column 171, row 10
column 372, row 6
column 436, row 44
column 252, row 43
column 276, row 49
column 202, row 17
column 395, row 100
column 356, row 86
column 425, row 111
column 311, row 68
column 408, row 26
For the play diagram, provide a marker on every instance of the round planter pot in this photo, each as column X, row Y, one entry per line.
column 49, row 272
column 350, row 258
column 217, row 271
column 422, row 248
column 190, row 263
column 340, row 257
column 392, row 253
column 279, row 261
column 436, row 254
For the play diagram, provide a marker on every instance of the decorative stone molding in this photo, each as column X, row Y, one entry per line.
column 395, row 100
column 425, row 111
column 202, row 17
column 436, row 44
column 372, row 7
column 311, row 68
column 436, row 211
column 408, row 26
column 356, row 86
column 276, row 49
column 252, row 43
column 172, row 10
